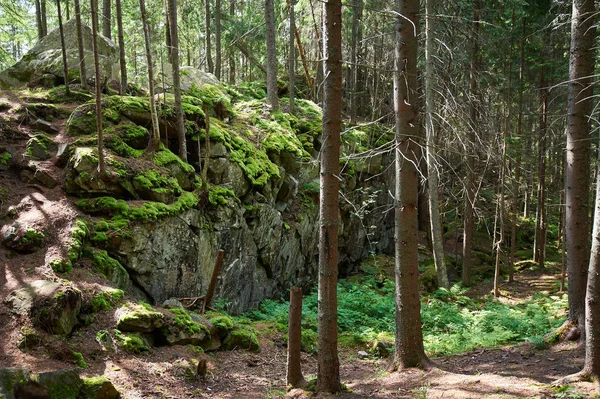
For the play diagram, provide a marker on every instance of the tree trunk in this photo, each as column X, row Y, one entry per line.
column 356, row 6
column 409, row 350
column 470, row 188
column 122, row 59
column 230, row 48
column 180, row 126
column 271, row 56
column 328, row 374
column 168, row 40
column 209, row 60
column 517, row 175
column 207, row 150
column 242, row 47
column 38, row 19
column 67, row 10
column 218, row 39
column 581, row 68
column 106, row 19
column 63, row 49
column 44, row 23
column 294, row 371
column 81, row 50
column 292, row 56
column 155, row 127
column 94, row 6
column 437, row 239
column 540, row 219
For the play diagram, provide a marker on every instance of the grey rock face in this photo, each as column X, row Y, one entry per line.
column 42, row 65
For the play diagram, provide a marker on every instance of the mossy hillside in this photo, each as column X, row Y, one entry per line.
column 153, row 180
column 247, row 91
column 215, row 96
column 56, row 95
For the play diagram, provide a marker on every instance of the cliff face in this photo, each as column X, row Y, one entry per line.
column 153, row 227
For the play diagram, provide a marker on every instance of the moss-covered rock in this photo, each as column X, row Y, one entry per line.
column 40, row 147
column 183, row 328
column 22, row 237
column 28, row 338
column 98, row 387
column 104, row 300
column 132, row 343
column 222, row 322
column 242, row 337
column 62, row 384
column 138, row 318
column 9, row 377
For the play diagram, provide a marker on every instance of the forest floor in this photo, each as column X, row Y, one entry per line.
column 167, row 372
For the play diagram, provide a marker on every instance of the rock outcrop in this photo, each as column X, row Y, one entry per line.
column 43, row 65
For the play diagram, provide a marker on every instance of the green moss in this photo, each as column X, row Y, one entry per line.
column 155, row 181
column 164, row 157
column 104, row 205
column 152, row 211
column 242, row 337
column 212, row 95
column 78, row 235
column 79, row 360
column 132, row 343
column 95, row 381
column 219, row 195
column 105, row 300
column 100, row 236
column 184, row 321
column 104, row 264
column 248, row 91
column 102, row 225
column 222, row 322
column 61, row 265
column 5, row 157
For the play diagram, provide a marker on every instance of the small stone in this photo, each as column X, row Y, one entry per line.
column 363, row 355
column 172, row 303
column 45, row 178
column 46, row 127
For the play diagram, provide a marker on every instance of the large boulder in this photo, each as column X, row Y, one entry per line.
column 190, row 77
column 53, row 307
column 43, row 65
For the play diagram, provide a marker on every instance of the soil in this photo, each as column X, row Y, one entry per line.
column 167, row 372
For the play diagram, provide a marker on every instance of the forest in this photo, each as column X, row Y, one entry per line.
column 300, row 198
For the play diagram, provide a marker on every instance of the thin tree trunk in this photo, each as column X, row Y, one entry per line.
column 155, row 127
column 581, row 68
column 292, row 56
column 409, row 351
column 44, row 22
column 218, row 39
column 101, row 168
column 180, row 126
column 168, row 40
column 38, row 19
column 82, row 70
column 207, row 150
column 242, row 47
column 294, row 370
column 122, row 59
column 500, row 215
column 517, row 176
column 328, row 371
column 67, row 10
column 209, row 60
column 230, row 48
column 469, row 221
column 271, row 56
column 63, row 49
column 437, row 238
column 106, row 19
column 540, row 220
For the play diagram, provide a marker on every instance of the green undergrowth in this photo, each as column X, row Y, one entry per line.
column 452, row 322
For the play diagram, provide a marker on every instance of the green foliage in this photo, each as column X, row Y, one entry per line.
column 105, row 300
column 5, row 156
column 61, row 265
column 452, row 322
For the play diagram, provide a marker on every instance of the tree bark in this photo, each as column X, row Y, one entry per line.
column 581, row 68
column 38, row 19
column 328, row 374
column 63, row 49
column 472, row 137
column 517, row 175
column 209, row 60
column 155, row 143
column 230, row 48
column 106, row 19
column 409, row 350
column 218, row 39
column 82, row 71
column 292, row 56
column 271, row 56
column 122, row 59
column 294, row 370
column 180, row 126
column 43, row 20
column 437, row 239
column 94, row 6
column 540, row 220
column 356, row 27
